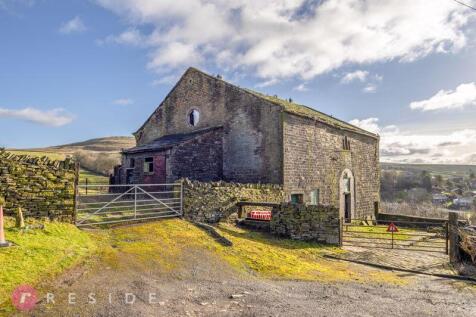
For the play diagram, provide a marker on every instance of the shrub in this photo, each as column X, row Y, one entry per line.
column 98, row 162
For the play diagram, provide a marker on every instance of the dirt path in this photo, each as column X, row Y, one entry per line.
column 204, row 285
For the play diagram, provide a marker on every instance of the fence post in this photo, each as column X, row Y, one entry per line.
column 76, row 192
column 135, row 202
column 181, row 198
column 453, row 237
column 447, row 237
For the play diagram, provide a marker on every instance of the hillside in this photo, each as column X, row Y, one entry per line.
column 107, row 144
column 97, row 157
column 445, row 170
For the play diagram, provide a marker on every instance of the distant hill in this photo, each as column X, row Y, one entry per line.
column 446, row 170
column 107, row 144
column 96, row 156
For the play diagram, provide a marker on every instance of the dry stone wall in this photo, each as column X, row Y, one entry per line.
column 213, row 201
column 300, row 222
column 40, row 186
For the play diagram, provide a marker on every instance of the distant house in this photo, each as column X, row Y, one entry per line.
column 463, row 202
column 472, row 184
column 439, row 199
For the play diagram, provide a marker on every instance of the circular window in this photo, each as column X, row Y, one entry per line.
column 193, row 117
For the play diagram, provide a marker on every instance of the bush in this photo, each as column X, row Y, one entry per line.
column 98, row 162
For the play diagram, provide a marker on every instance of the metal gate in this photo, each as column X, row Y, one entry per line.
column 107, row 204
column 411, row 236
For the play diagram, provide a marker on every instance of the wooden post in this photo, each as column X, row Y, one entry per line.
column 341, row 231
column 240, row 211
column 3, row 242
column 453, row 237
column 76, row 191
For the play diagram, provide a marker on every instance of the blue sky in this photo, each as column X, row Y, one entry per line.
column 74, row 70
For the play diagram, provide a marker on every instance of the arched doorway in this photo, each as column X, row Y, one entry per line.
column 346, row 195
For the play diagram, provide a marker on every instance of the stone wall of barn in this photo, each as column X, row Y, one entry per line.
column 213, row 201
column 41, row 187
column 252, row 129
column 311, row 223
column 200, row 158
column 314, row 158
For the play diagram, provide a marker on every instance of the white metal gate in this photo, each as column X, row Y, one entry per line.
column 106, row 204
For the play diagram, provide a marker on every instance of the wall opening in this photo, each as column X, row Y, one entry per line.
column 346, row 195
column 297, row 198
column 193, row 117
column 149, row 165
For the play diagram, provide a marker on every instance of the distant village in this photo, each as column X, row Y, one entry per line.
column 451, row 192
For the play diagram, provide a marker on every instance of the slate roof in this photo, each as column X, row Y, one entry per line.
column 287, row 106
column 168, row 141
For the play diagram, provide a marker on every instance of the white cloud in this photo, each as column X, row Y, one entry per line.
column 301, row 87
column 55, row 117
column 463, row 96
column 370, row 88
column 292, row 38
column 123, row 102
column 74, row 25
column 358, row 75
column 407, row 147
column 129, row 37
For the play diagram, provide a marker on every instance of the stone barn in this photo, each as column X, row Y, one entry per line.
column 207, row 129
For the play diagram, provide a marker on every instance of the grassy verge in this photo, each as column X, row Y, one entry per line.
column 40, row 254
column 377, row 232
column 252, row 252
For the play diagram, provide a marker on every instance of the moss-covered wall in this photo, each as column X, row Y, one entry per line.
column 300, row 222
column 213, row 201
column 42, row 187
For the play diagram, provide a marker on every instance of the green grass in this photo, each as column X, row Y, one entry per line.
column 377, row 232
column 92, row 178
column 40, row 254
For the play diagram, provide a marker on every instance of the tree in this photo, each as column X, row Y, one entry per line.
column 439, row 180
column 471, row 175
column 425, row 181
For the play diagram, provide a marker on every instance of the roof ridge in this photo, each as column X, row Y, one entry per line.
column 343, row 124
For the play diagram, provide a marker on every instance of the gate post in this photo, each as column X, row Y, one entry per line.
column 453, row 237
column 135, row 202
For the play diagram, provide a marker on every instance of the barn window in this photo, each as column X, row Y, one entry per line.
column 149, row 165
column 193, row 117
column 297, row 198
column 132, row 163
column 346, row 144
column 315, row 197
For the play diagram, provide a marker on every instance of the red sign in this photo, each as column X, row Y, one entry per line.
column 24, row 297
column 260, row 215
column 392, row 228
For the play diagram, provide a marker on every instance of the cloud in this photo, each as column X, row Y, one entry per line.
column 407, row 147
column 123, row 102
column 358, row 75
column 131, row 37
column 370, row 88
column 291, row 38
column 301, row 87
column 463, row 96
column 74, row 25
column 55, row 117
